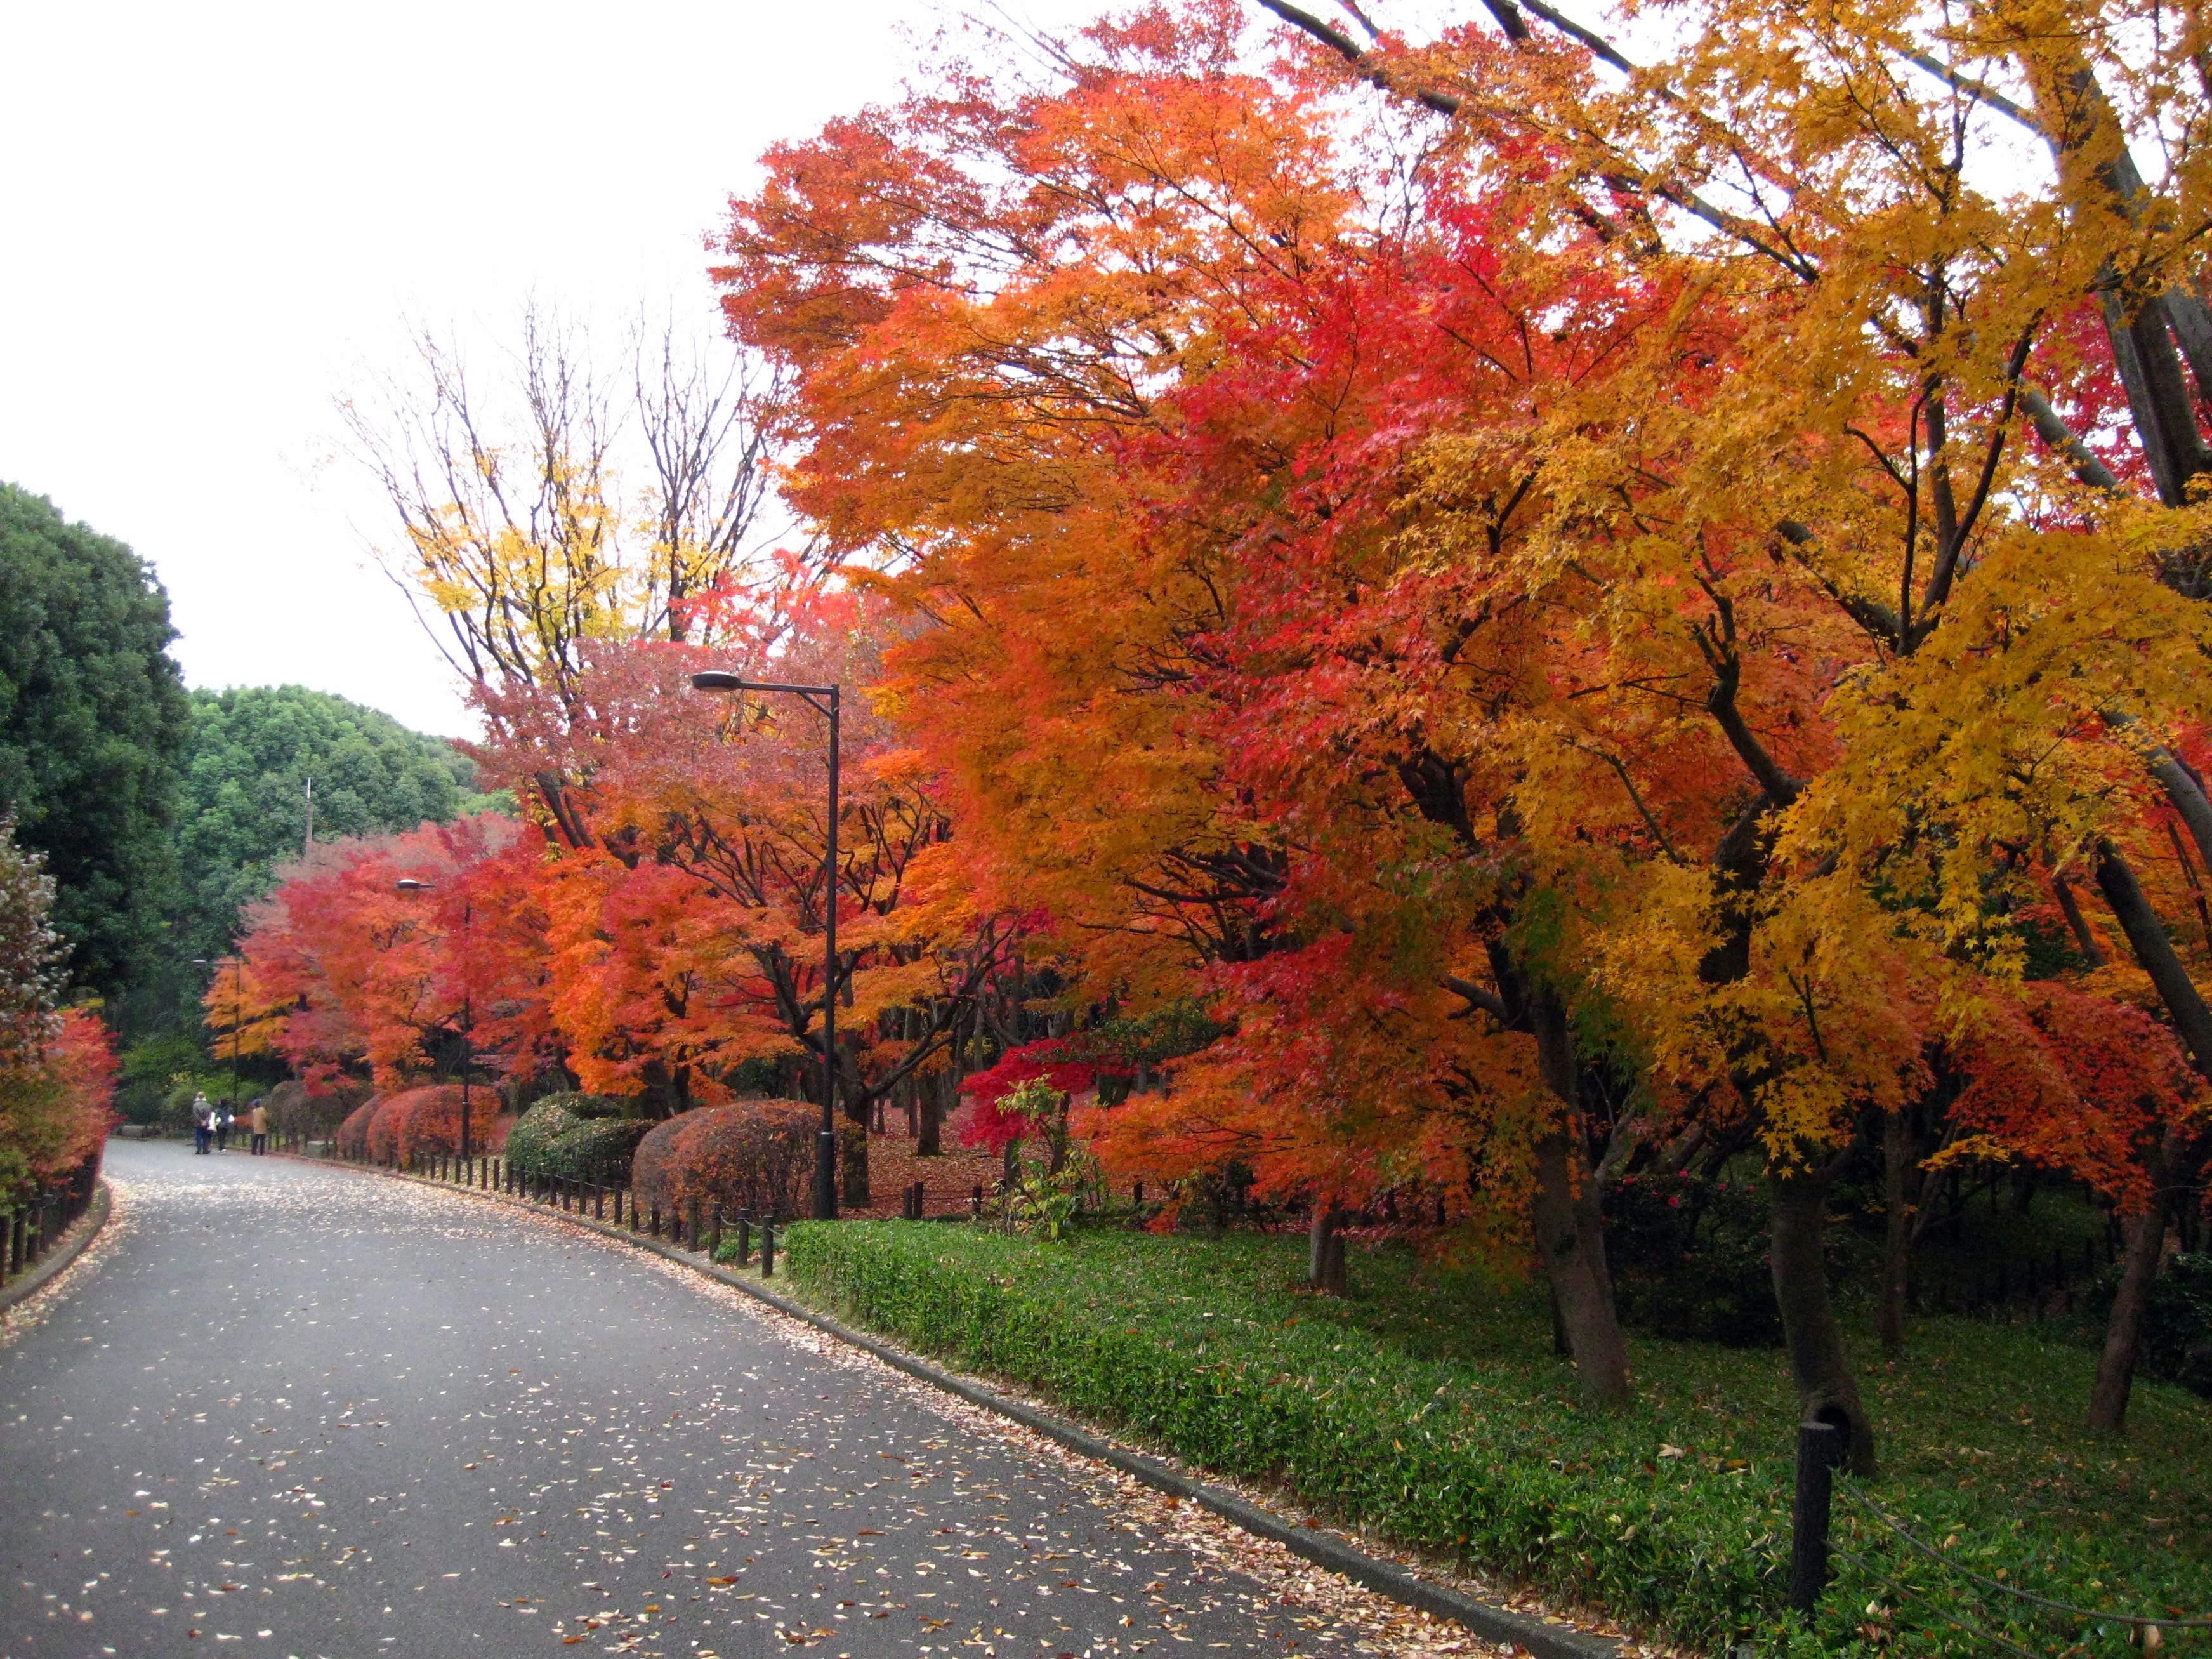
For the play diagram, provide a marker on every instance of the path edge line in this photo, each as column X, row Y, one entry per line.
column 1323, row 1548
column 73, row 1245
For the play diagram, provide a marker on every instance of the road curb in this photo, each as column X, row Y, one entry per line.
column 71, row 1247
column 1324, row 1549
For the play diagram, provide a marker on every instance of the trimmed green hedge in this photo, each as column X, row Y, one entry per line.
column 575, row 1137
column 1486, row 1460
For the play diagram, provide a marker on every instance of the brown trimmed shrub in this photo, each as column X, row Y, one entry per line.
column 353, row 1132
column 757, row 1156
column 384, row 1128
column 416, row 1120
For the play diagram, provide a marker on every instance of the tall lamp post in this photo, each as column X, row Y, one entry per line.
column 824, row 700
column 237, row 1008
column 409, row 885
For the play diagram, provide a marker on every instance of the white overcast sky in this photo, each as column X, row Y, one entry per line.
column 216, row 218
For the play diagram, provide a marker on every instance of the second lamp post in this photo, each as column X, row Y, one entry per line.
column 823, row 699
column 409, row 885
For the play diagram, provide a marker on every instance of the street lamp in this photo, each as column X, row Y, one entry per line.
column 409, row 885
column 237, row 1008
column 823, row 699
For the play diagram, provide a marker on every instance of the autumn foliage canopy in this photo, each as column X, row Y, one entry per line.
column 1585, row 614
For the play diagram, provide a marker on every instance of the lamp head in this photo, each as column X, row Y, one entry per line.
column 717, row 679
column 409, row 885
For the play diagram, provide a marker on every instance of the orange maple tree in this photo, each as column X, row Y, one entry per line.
column 1498, row 634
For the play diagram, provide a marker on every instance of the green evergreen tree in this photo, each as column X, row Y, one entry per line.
column 92, row 722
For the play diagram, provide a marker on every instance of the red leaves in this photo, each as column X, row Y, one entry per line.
column 422, row 1121
column 343, row 969
column 2078, row 1083
column 1060, row 1061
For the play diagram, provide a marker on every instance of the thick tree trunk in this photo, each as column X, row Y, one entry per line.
column 1897, row 1150
column 1826, row 1392
column 1325, row 1248
column 1569, row 1226
column 2154, row 951
column 2158, row 399
column 1571, row 1235
column 2116, row 1369
column 852, row 1177
column 929, row 1141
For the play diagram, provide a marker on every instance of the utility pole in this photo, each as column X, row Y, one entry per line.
column 307, row 842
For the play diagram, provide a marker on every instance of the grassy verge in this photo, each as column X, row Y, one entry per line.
column 1429, row 1407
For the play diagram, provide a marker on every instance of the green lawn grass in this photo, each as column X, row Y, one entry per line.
column 1428, row 1406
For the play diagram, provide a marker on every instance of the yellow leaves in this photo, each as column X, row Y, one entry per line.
column 1965, row 1151
column 2000, row 729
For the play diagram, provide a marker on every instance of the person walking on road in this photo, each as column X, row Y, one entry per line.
column 260, row 1120
column 203, row 1122
column 224, row 1119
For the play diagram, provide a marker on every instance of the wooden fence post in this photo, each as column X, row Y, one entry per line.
column 1820, row 1450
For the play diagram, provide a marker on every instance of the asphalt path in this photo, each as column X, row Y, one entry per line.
column 319, row 1413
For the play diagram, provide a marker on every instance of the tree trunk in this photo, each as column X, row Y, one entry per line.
column 2070, row 907
column 1325, row 1248
column 1897, row 1150
column 1569, row 1226
column 1826, row 1392
column 2154, row 951
column 853, row 1174
column 929, row 1140
column 2116, row 1368
column 1571, row 1235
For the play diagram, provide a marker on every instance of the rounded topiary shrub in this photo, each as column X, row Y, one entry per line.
column 576, row 1136
column 353, row 1131
column 294, row 1110
column 756, row 1156
column 530, row 1142
column 415, row 1120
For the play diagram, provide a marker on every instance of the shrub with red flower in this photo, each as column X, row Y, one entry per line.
column 1070, row 1065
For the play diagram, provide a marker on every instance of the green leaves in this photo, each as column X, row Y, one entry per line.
column 92, row 722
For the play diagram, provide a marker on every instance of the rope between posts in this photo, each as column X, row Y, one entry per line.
column 1933, row 1606
column 2139, row 1621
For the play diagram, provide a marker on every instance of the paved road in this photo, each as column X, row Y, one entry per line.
column 316, row 1412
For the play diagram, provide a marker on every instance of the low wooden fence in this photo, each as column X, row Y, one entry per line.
column 34, row 1224
column 704, row 1229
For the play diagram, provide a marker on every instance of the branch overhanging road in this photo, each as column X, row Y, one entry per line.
column 324, row 1414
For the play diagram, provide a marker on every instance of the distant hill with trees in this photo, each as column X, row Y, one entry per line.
column 244, row 803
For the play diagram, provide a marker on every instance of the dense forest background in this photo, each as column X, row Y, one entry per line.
column 160, row 813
